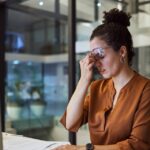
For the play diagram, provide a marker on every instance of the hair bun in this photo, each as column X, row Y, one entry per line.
column 117, row 16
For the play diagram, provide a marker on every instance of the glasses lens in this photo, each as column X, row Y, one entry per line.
column 98, row 52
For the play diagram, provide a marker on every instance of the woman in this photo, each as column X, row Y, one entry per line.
column 116, row 108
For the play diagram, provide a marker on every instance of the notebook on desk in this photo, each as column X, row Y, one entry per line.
column 16, row 142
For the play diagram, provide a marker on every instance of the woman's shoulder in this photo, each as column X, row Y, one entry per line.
column 141, row 79
column 140, row 83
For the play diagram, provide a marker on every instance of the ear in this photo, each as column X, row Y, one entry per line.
column 123, row 51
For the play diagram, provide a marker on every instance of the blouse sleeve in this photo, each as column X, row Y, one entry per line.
column 82, row 120
column 140, row 134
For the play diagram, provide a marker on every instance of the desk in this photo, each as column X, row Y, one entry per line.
column 17, row 142
column 35, row 127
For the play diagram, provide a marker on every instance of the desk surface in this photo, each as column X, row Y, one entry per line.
column 17, row 142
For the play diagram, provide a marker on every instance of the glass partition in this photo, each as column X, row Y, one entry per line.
column 37, row 69
column 144, row 60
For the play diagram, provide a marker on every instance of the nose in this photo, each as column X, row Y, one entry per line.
column 98, row 63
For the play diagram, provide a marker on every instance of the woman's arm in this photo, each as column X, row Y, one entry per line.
column 106, row 147
column 75, row 106
column 83, row 147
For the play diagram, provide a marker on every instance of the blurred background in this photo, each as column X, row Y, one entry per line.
column 36, row 59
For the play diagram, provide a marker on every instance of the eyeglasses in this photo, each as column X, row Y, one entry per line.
column 98, row 53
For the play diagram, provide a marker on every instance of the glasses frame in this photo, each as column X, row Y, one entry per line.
column 98, row 53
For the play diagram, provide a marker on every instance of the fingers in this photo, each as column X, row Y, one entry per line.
column 87, row 63
column 87, row 60
column 59, row 147
column 90, row 66
column 86, row 67
column 65, row 147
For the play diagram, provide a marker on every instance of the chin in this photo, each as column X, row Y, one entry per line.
column 106, row 76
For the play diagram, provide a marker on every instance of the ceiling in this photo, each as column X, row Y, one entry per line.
column 144, row 5
column 22, row 14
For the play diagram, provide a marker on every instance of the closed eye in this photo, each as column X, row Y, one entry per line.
column 101, row 55
column 97, row 57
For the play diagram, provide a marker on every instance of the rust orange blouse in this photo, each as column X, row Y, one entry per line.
column 128, row 124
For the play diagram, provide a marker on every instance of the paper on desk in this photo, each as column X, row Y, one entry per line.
column 14, row 142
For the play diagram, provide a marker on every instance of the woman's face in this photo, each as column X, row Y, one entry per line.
column 109, row 65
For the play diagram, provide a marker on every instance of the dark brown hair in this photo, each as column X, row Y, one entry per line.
column 114, row 31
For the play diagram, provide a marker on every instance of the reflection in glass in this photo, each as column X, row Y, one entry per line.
column 37, row 78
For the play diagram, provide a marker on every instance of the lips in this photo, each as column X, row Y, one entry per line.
column 101, row 70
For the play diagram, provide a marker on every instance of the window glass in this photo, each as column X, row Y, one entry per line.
column 37, row 79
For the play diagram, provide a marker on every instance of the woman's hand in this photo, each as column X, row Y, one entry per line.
column 70, row 147
column 86, row 66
